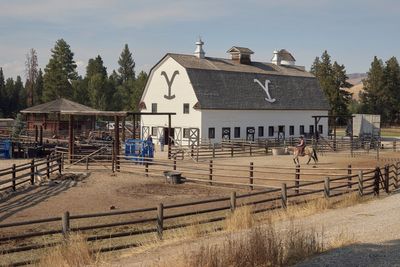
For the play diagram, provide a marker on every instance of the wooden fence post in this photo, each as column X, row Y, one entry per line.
column 160, row 220
column 251, row 152
column 233, row 201
column 387, row 179
column 13, row 177
column 251, row 180
column 48, row 167
column 297, row 179
column 60, row 163
column 394, row 145
column 65, row 224
column 376, row 182
column 349, row 177
column 175, row 163
column 361, row 183
column 146, row 169
column 232, row 150
column 87, row 163
column 210, row 175
column 327, row 190
column 32, row 171
column 213, row 151
column 284, row 196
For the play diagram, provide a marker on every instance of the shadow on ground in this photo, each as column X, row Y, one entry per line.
column 33, row 195
column 383, row 254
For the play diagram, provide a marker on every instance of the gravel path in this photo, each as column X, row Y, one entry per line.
column 374, row 225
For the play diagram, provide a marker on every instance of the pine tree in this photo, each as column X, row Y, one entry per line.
column 2, row 93
column 59, row 72
column 373, row 95
column 126, row 65
column 391, row 74
column 332, row 79
column 19, row 98
column 96, row 66
column 140, row 84
column 38, row 90
column 31, row 72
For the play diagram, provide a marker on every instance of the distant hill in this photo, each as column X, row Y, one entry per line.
column 356, row 80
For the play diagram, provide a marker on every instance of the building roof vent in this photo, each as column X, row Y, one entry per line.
column 283, row 57
column 241, row 54
column 199, row 52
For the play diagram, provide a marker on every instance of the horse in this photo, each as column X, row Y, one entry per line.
column 308, row 151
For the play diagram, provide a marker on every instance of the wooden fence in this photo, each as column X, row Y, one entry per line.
column 127, row 227
column 17, row 175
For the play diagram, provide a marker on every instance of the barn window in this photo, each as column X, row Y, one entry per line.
column 186, row 132
column 301, row 129
column 311, row 129
column 237, row 132
column 320, row 129
column 185, row 108
column 271, row 131
column 154, row 107
column 291, row 130
column 211, row 133
column 154, row 131
column 260, row 131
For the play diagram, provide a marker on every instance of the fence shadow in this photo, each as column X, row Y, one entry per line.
column 383, row 254
column 33, row 195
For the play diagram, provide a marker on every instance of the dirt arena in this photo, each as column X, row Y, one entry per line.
column 98, row 190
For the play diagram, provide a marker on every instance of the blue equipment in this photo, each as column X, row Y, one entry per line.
column 5, row 149
column 138, row 149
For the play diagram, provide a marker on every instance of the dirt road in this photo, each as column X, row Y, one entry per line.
column 374, row 225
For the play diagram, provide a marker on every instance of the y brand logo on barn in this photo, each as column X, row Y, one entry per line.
column 169, row 83
column 265, row 88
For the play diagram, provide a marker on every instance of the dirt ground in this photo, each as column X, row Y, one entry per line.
column 98, row 191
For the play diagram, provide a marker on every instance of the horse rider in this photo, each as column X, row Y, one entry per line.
column 301, row 146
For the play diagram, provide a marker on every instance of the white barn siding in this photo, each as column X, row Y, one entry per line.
column 254, row 118
column 181, row 87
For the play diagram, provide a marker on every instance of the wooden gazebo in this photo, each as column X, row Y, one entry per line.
column 63, row 114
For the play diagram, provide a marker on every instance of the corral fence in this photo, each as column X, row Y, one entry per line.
column 18, row 175
column 130, row 228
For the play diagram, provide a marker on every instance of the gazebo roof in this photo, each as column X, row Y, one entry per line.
column 68, row 107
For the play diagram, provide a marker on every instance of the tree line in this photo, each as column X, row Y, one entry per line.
column 380, row 94
column 119, row 90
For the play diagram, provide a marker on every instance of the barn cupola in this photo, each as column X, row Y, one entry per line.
column 199, row 52
column 240, row 54
column 283, row 57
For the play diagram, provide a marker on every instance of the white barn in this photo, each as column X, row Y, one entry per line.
column 236, row 98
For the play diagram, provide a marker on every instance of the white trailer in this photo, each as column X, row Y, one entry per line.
column 367, row 125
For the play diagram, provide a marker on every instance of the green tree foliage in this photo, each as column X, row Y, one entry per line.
column 140, row 84
column 18, row 126
column 333, row 81
column 391, row 74
column 2, row 93
column 38, row 91
column 126, row 65
column 59, row 72
column 14, row 97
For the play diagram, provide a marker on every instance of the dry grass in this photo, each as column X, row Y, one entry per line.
column 74, row 252
column 344, row 238
column 241, row 218
column 261, row 246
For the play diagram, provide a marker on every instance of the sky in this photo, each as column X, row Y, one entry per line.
column 352, row 31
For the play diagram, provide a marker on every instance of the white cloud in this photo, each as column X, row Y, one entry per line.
column 13, row 68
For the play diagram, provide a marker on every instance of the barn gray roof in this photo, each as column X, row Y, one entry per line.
column 225, row 84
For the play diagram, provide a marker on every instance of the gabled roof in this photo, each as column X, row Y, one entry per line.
column 241, row 50
column 226, row 84
column 65, row 106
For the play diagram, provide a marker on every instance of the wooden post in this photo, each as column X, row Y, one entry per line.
column 327, row 192
column 284, row 196
column 48, row 167
column 116, row 143
column 378, row 147
column 87, row 163
column 250, row 150
column 251, row 175
column 41, row 135
column 70, row 138
column 123, row 129
column 210, row 176
column 36, row 134
column 386, row 174
column 232, row 150
column 169, row 136
column 60, row 163
column 349, row 176
column 160, row 220
column 32, row 171
column 197, row 154
column 394, row 145
column 376, row 182
column 13, row 177
column 113, row 158
column 65, row 224
column 213, row 151
column 233, row 201
column 360, row 183
column 297, row 179
column 146, row 168
column 192, row 151
column 175, row 163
